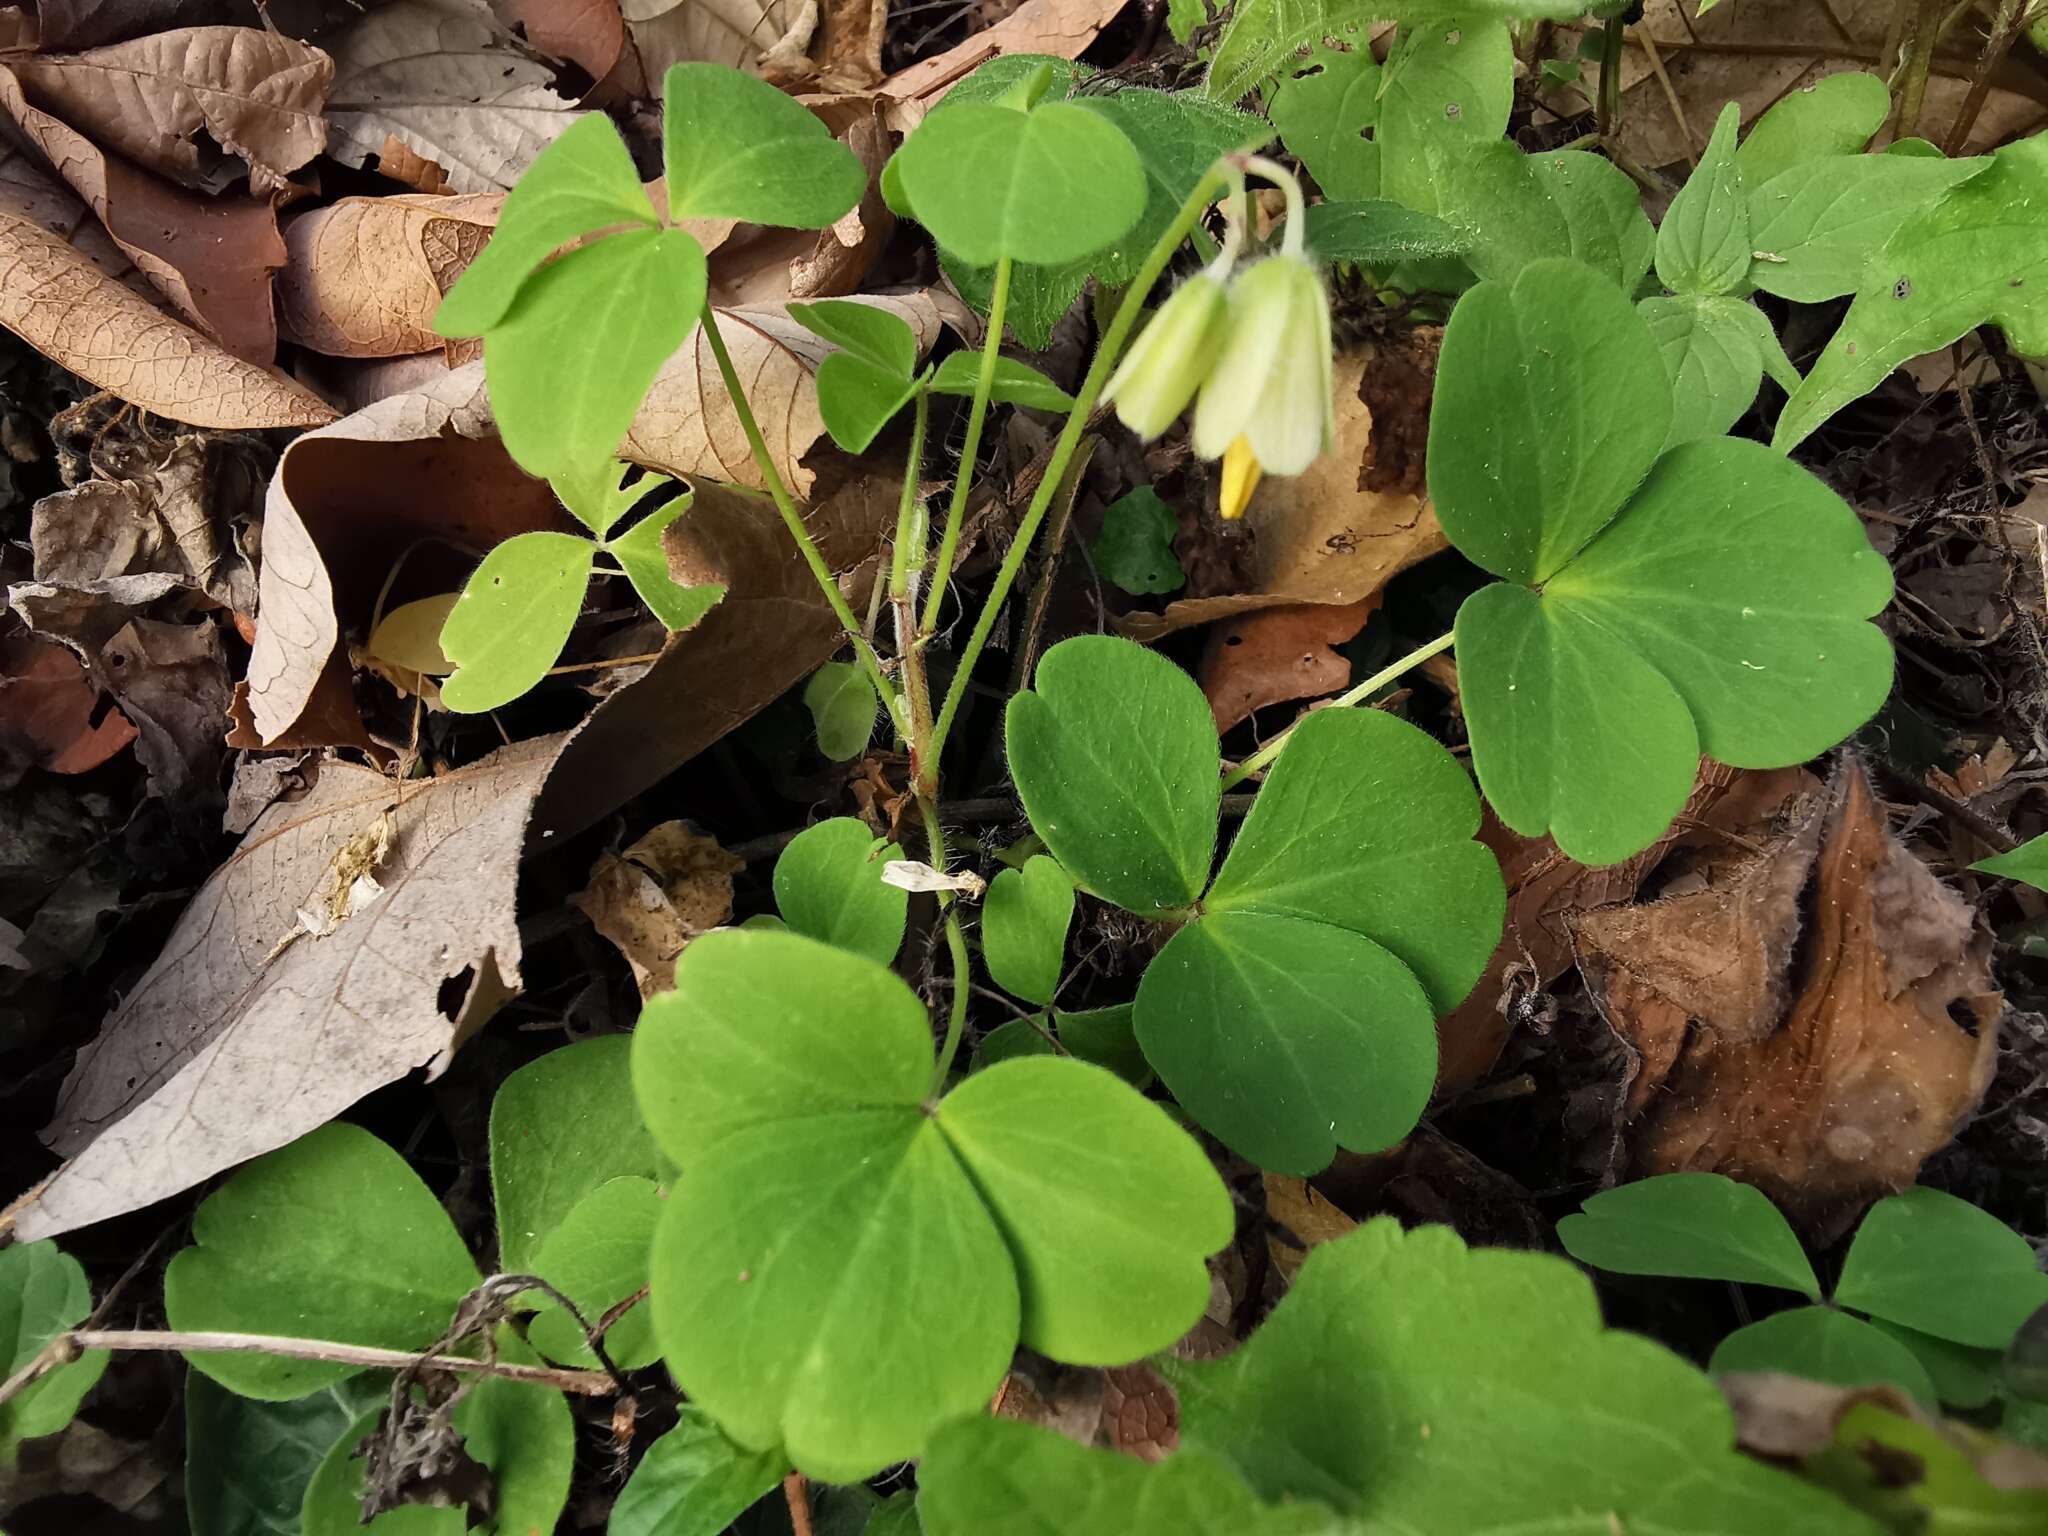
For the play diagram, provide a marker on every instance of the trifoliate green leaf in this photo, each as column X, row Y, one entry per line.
column 561, row 1127
column 247, row 1462
column 582, row 183
column 618, row 494
column 980, row 177
column 843, row 1265
column 597, row 1257
column 1833, row 117
column 513, row 618
column 42, row 1293
column 1419, row 1386
column 1700, row 1226
column 641, row 556
column 842, row 702
column 734, row 147
column 1977, row 255
column 1821, row 1344
column 1813, row 227
column 692, row 1482
column 2027, row 863
column 1115, row 756
column 863, row 384
column 867, row 331
column 331, row 1237
column 1943, row 1266
column 1024, row 922
column 1134, row 551
column 829, row 887
column 1710, row 357
column 1323, row 107
column 1703, row 244
column 571, row 360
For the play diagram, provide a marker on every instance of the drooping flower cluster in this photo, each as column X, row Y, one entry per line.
column 1251, row 350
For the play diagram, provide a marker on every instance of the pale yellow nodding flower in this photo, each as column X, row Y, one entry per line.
column 1271, row 386
column 1242, row 473
column 1171, row 357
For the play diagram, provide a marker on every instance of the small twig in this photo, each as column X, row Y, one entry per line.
column 609, row 661
column 1979, row 825
column 1649, row 47
column 67, row 1347
column 797, row 1494
column 2005, row 30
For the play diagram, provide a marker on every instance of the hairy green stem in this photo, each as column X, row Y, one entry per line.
column 1919, row 63
column 1070, row 436
column 1608, row 107
column 786, row 505
column 956, row 946
column 909, row 519
column 1357, row 694
column 970, row 450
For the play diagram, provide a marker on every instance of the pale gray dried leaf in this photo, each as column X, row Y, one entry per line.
column 442, row 80
column 172, row 681
column 230, row 1047
column 732, row 32
column 253, row 93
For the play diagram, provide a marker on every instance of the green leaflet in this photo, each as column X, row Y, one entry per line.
column 843, row 1265
column 247, row 1462
column 280, row 1249
column 1134, row 551
column 1815, row 225
column 1821, row 1344
column 2027, row 863
column 1446, row 85
column 1014, row 383
column 597, row 1257
column 829, row 887
column 1977, row 255
column 1703, row 245
column 1709, row 599
column 581, row 184
column 1510, row 209
column 1379, row 233
column 1024, row 922
column 1833, row 117
column 735, row 147
column 1703, row 1226
column 870, row 378
column 641, row 556
column 1963, row 1377
column 1710, row 358
column 42, row 1293
column 692, row 1482
column 842, row 705
column 1940, row 1265
column 1322, row 109
column 1416, row 1385
column 513, row 618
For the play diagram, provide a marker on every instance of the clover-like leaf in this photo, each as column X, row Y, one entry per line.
column 1711, row 358
column 1116, row 760
column 1716, row 602
column 1821, row 1344
column 1977, row 255
column 981, row 177
column 1367, row 823
column 1963, row 1377
column 1134, row 550
column 693, row 1481
column 1416, row 1385
column 513, row 618
column 734, row 147
column 1944, row 1267
column 641, row 556
column 1107, row 1037
column 1700, row 1226
column 997, row 1477
column 841, row 700
column 597, row 1257
column 581, row 184
column 1325, row 103
column 1288, row 1039
column 2027, row 863
column 562, row 1126
column 866, row 331
column 1703, row 244
column 863, row 384
column 829, row 887
column 1024, row 922
column 1815, row 225
column 843, row 1265
column 1014, row 383
column 247, row 1462
column 569, row 363
column 331, row 1237
column 1831, row 118
column 42, row 1293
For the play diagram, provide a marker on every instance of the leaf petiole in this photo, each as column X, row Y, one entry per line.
column 970, row 450
column 1262, row 759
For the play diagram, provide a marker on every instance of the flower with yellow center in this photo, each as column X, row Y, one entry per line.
column 1171, row 357
column 1266, row 405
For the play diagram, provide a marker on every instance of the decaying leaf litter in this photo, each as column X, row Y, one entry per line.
column 259, row 879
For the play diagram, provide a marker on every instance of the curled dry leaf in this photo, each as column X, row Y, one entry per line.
column 253, row 93
column 68, row 309
column 1318, row 537
column 172, row 681
column 440, row 80
column 363, row 277
column 1061, row 28
column 212, row 257
column 1824, row 1072
column 1280, row 654
column 651, row 900
column 47, row 705
column 222, row 1052
column 734, row 32
column 591, row 34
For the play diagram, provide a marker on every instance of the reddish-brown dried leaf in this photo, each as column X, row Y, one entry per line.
column 1281, row 654
column 47, row 704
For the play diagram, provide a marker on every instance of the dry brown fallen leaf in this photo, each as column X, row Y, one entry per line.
column 440, row 80
column 57, row 301
column 220, row 1053
column 1280, row 654
column 657, row 895
column 1298, row 1217
column 1751, row 54
column 1061, row 28
column 212, row 257
column 47, row 705
column 1140, row 1414
column 733, row 32
column 255, row 94
column 1827, row 1083
column 363, row 277
column 1318, row 537
column 590, row 34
